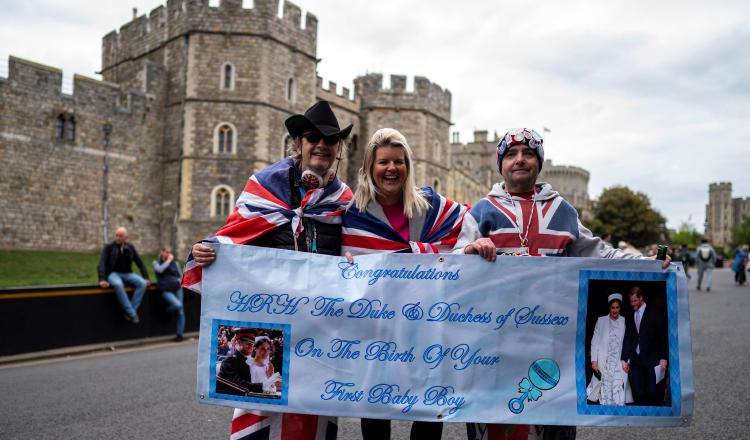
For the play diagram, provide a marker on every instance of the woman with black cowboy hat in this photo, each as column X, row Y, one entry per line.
column 294, row 204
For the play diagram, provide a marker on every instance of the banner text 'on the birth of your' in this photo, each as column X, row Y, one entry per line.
column 446, row 337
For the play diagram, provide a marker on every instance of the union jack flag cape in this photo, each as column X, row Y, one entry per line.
column 264, row 205
column 256, row 425
column 365, row 233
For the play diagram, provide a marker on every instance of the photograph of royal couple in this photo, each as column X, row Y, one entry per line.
column 628, row 349
column 249, row 361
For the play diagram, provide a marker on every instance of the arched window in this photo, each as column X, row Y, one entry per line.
column 225, row 138
column 60, row 127
column 65, row 127
column 290, row 91
column 285, row 144
column 436, row 151
column 353, row 144
column 227, row 77
column 70, row 129
column 222, row 198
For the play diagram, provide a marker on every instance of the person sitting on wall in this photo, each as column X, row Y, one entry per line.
column 234, row 373
column 168, row 279
column 116, row 269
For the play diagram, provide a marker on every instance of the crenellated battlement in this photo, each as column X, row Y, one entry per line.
column 720, row 187
column 564, row 170
column 42, row 80
column 345, row 99
column 427, row 96
column 179, row 17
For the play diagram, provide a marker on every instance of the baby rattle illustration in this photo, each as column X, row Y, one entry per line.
column 544, row 374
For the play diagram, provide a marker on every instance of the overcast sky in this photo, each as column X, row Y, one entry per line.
column 649, row 94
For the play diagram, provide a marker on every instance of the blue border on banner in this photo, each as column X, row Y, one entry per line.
column 286, row 330
column 674, row 347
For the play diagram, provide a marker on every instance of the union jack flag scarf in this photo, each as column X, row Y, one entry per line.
column 264, row 205
column 256, row 425
column 364, row 233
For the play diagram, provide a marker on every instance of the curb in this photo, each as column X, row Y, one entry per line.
column 87, row 349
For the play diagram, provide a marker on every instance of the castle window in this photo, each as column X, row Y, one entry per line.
column 227, row 76
column 221, row 201
column 70, row 130
column 436, row 185
column 65, row 128
column 60, row 127
column 290, row 91
column 436, row 151
column 225, row 138
column 285, row 144
column 353, row 144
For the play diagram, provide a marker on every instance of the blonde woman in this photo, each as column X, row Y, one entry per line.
column 390, row 214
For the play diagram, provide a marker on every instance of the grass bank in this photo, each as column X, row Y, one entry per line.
column 41, row 268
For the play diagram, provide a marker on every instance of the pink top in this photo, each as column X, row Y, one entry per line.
column 396, row 217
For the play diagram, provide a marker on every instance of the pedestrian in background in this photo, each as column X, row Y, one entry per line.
column 706, row 259
column 116, row 269
column 684, row 256
column 168, row 279
column 740, row 262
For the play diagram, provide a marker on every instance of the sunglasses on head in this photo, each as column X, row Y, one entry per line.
column 314, row 138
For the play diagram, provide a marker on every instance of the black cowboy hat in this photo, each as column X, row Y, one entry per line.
column 320, row 118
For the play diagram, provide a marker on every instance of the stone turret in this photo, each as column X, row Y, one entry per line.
column 422, row 115
column 719, row 214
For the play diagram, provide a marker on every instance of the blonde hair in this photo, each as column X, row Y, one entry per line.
column 413, row 199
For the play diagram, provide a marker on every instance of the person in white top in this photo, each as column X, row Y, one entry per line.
column 606, row 348
column 261, row 367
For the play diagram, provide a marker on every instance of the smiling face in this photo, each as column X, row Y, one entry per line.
column 389, row 172
column 245, row 345
column 636, row 301
column 520, row 168
column 614, row 310
column 318, row 153
column 262, row 351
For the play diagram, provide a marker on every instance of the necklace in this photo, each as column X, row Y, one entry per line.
column 524, row 249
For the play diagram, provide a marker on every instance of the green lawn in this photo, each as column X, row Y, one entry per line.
column 41, row 268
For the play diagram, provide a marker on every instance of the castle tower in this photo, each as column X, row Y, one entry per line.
column 423, row 116
column 571, row 182
column 719, row 214
column 232, row 75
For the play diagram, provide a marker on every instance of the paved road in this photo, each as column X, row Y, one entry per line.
column 147, row 393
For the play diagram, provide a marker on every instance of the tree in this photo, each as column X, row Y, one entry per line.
column 686, row 234
column 741, row 232
column 628, row 216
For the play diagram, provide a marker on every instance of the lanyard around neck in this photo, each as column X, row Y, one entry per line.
column 523, row 237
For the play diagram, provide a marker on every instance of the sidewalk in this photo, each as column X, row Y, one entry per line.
column 87, row 349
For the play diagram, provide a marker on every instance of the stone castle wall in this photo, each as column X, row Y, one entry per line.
column 164, row 94
column 51, row 188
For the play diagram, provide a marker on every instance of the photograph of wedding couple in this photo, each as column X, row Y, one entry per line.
column 249, row 360
column 627, row 347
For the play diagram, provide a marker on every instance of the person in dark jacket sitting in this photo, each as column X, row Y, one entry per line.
column 168, row 278
column 294, row 204
column 116, row 269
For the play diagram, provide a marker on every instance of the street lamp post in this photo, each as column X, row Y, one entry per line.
column 107, row 129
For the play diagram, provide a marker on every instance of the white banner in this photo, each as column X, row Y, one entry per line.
column 446, row 338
